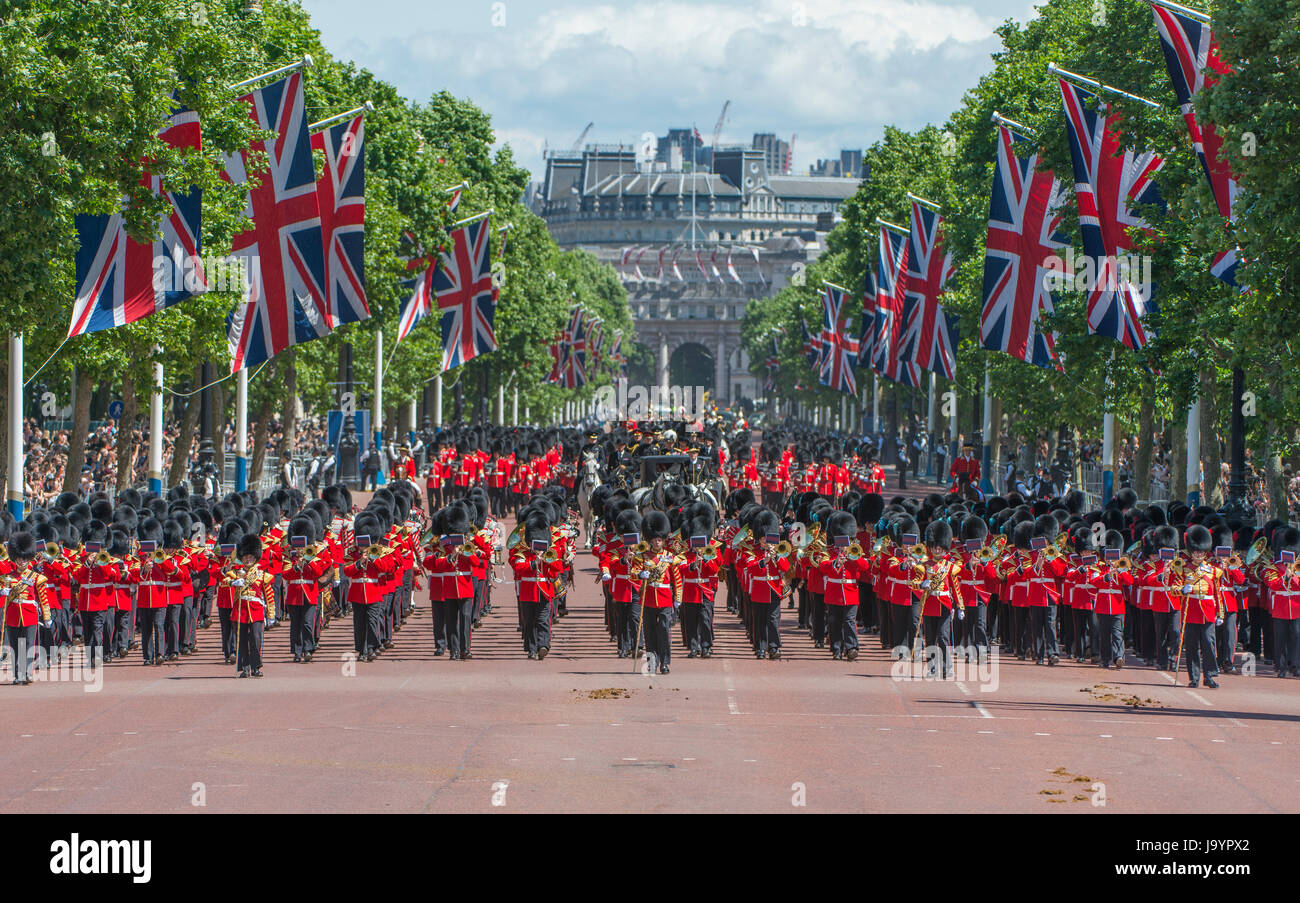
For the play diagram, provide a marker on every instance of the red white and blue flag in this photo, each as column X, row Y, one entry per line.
column 928, row 335
column 867, row 341
column 341, row 196
column 116, row 278
column 891, row 289
column 1024, row 234
column 840, row 359
column 420, row 302
column 1108, row 181
column 286, row 303
column 466, row 295
column 812, row 346
column 573, row 373
column 1192, row 58
column 773, row 366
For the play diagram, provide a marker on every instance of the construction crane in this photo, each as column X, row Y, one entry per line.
column 789, row 154
column 717, row 129
column 577, row 145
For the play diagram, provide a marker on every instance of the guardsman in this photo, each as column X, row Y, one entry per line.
column 1166, row 601
column 26, row 595
column 1047, row 569
column 699, row 573
column 367, row 566
column 1230, row 590
column 174, row 583
column 254, row 605
column 965, row 463
column 1283, row 581
column 899, row 568
column 536, row 567
column 842, row 571
column 940, row 593
column 96, row 578
column 306, row 563
column 617, row 572
column 978, row 579
column 657, row 571
column 1202, row 607
column 150, row 574
column 766, row 571
column 1108, row 576
column 451, row 564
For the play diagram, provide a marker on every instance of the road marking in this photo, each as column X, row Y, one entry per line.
column 1041, row 734
column 884, row 728
column 1164, row 738
column 1106, row 736
column 1218, row 741
column 1199, row 698
column 1276, row 742
column 965, row 691
column 732, row 708
column 561, row 725
column 983, row 711
column 568, row 758
column 129, row 732
column 932, row 731
column 25, row 735
column 629, row 758
column 751, row 760
column 1169, row 677
column 985, row 732
column 1238, row 722
column 688, row 759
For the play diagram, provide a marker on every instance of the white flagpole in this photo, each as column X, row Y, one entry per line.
column 1193, row 454
column 514, row 408
column 986, row 453
column 377, row 415
column 501, row 404
column 16, row 473
column 241, row 430
column 437, row 401
column 875, row 402
column 930, row 424
column 156, row 430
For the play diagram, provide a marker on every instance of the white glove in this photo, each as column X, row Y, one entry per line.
column 961, row 614
column 1187, row 589
column 605, row 578
column 644, row 575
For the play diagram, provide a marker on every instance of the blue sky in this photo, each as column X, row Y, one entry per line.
column 835, row 72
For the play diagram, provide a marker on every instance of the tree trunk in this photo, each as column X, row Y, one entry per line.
column 1211, row 446
column 126, row 434
column 4, row 435
column 1275, row 436
column 219, row 428
column 185, row 440
column 1177, row 460
column 1146, row 436
column 995, row 443
column 289, row 414
column 80, row 427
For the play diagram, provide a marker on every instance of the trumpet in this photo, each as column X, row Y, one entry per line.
column 159, row 556
column 1123, row 564
column 641, row 549
column 707, row 553
column 1233, row 562
column 782, row 549
column 854, row 551
column 104, row 558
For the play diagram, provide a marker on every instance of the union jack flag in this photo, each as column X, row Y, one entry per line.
column 840, row 359
column 1024, row 234
column 867, row 341
column 812, row 346
column 466, row 295
column 731, row 268
column 713, row 265
column 341, row 196
column 891, row 289
column 1107, row 180
column 927, row 336
column 1192, row 58
column 116, row 279
column 286, row 303
column 676, row 271
column 757, row 266
column 616, row 351
column 574, row 371
column 420, row 303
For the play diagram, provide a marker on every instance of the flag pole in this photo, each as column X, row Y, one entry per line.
column 931, row 423
column 986, row 453
column 156, row 428
column 1013, row 125
column 366, row 107
column 923, row 202
column 304, row 63
column 893, row 228
column 378, row 414
column 241, row 430
column 1084, row 81
column 1108, row 442
column 473, row 219
column 16, row 475
column 1195, row 14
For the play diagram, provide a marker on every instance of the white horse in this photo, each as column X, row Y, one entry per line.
column 588, row 480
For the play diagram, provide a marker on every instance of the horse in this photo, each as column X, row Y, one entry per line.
column 588, row 480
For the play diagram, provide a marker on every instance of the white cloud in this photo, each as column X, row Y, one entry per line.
column 647, row 65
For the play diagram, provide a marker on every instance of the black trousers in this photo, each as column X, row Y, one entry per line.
column 151, row 622
column 767, row 625
column 1042, row 631
column 629, row 620
column 92, row 629
column 248, row 657
column 817, row 617
column 227, row 632
column 1168, row 625
column 842, row 627
column 365, row 627
column 974, row 627
column 458, row 615
column 1198, row 650
column 1225, row 640
column 440, row 624
column 938, row 639
column 189, row 622
column 1286, row 646
column 697, row 625
column 1110, row 638
column 124, row 632
column 903, row 633
column 884, row 614
column 172, row 630
column 302, row 628
column 537, row 628
column 21, row 643
column 658, row 634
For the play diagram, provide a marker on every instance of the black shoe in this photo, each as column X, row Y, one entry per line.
column 1119, row 664
column 242, row 674
column 439, row 651
column 388, row 644
column 1055, row 659
column 465, row 655
column 541, row 653
column 835, row 656
column 622, row 654
column 1193, row 683
column 759, row 655
column 851, row 655
column 532, row 656
column 690, row 654
column 257, row 673
column 1211, row 683
column 820, row 644
column 774, row 654
column 306, row 658
column 707, row 653
column 297, row 658
column 663, row 669
column 1022, row 656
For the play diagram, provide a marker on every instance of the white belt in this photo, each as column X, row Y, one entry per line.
column 840, row 580
column 248, row 598
column 1201, row 596
column 657, row 585
column 151, row 583
column 98, row 585
column 301, row 582
column 534, row 579
column 363, row 580
column 1109, row 592
column 1042, row 579
column 895, row 580
column 453, row 574
column 1286, row 592
column 698, row 580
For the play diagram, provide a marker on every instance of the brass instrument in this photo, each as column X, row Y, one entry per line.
column 104, row 558
column 1123, row 564
column 854, row 551
column 783, row 549
column 707, row 553
column 53, row 551
column 550, row 555
column 641, row 549
column 1233, row 562
column 1257, row 548
column 158, row 556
